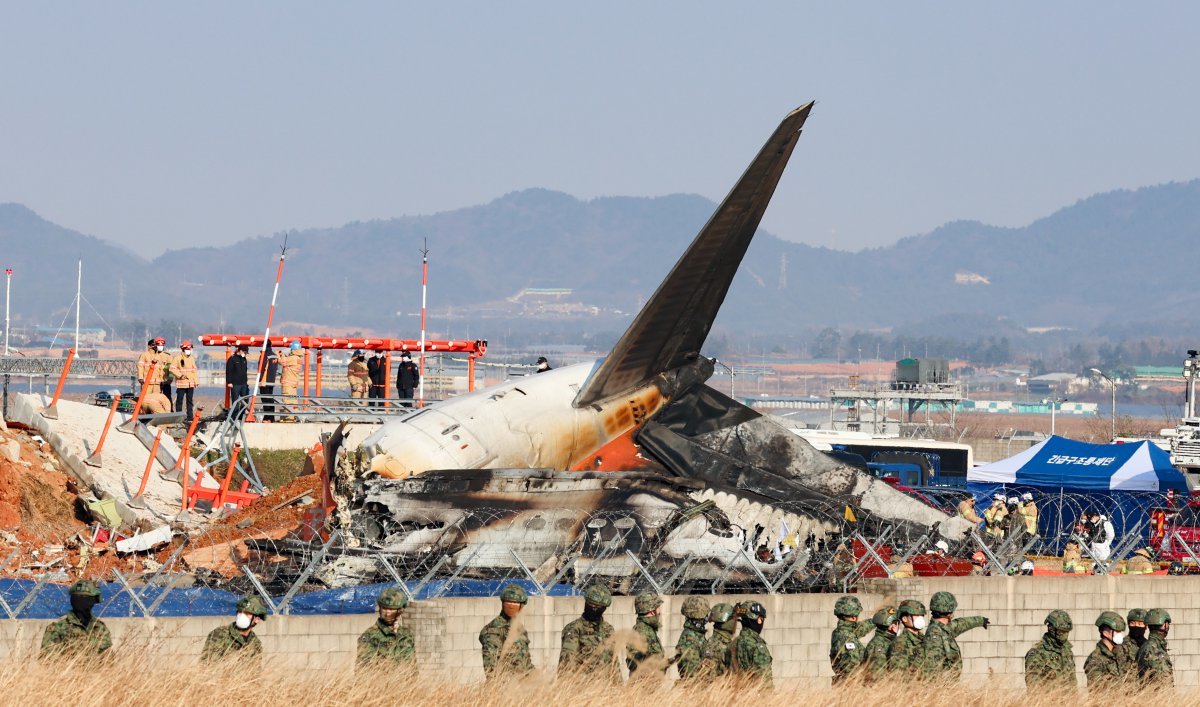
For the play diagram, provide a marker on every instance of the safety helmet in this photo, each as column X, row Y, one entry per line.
column 514, row 592
column 978, row 557
column 1136, row 615
column 998, row 497
column 1110, row 619
column 187, row 344
column 295, row 346
column 942, row 545
column 392, row 598
column 160, row 340
column 1027, row 567
column 253, row 605
column 885, row 617
column 943, row 603
column 847, row 606
column 1175, row 568
column 910, row 607
column 1012, row 500
column 1059, row 620
column 86, row 588
column 357, row 353
column 646, row 602
column 752, row 610
column 1157, row 617
column 720, row 613
column 695, row 607
column 1027, row 496
column 598, row 594
column 1143, row 551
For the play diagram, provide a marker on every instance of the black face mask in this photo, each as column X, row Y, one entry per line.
column 593, row 612
column 1138, row 634
column 82, row 606
column 751, row 624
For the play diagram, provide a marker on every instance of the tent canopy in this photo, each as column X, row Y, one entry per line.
column 1062, row 463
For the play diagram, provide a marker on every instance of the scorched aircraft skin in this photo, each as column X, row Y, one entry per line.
column 635, row 440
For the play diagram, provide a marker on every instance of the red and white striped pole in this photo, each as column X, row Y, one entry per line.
column 262, row 355
column 424, row 287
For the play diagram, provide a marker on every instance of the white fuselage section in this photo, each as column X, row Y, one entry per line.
column 525, row 423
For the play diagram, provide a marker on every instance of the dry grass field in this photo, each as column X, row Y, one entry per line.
column 141, row 678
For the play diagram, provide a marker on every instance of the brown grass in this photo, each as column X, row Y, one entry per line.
column 142, row 677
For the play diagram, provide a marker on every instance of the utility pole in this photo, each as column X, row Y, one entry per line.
column 7, row 292
column 78, row 301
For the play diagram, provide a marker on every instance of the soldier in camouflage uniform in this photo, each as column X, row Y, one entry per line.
column 237, row 640
column 504, row 641
column 646, row 605
column 846, row 649
column 874, row 666
column 78, row 633
column 1104, row 667
column 387, row 644
column 587, row 641
column 908, row 650
column 749, row 657
column 1153, row 661
column 714, row 659
column 1135, row 621
column 1050, row 663
column 942, row 659
column 690, row 646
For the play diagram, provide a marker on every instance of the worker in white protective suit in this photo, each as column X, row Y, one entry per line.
column 1102, row 538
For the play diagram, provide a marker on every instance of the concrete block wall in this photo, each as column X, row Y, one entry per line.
column 797, row 629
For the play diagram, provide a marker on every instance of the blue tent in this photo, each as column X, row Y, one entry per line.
column 1121, row 481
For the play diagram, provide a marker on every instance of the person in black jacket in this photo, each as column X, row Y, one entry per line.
column 542, row 365
column 377, row 372
column 408, row 377
column 235, row 375
column 266, row 386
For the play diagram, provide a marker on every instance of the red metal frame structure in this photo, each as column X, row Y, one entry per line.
column 473, row 349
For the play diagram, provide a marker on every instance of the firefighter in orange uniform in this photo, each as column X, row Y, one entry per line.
column 150, row 358
column 291, row 370
column 183, row 367
column 358, row 375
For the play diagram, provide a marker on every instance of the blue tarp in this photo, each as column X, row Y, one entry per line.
column 52, row 600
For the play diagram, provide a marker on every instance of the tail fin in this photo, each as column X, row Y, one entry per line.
column 673, row 325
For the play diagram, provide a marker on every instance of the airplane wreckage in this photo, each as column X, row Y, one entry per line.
column 597, row 469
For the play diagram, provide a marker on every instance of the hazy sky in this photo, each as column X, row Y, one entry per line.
column 160, row 125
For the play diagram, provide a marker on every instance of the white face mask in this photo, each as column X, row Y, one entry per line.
column 158, row 348
column 919, row 622
column 1118, row 638
column 242, row 621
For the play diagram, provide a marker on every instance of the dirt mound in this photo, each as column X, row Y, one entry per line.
column 37, row 500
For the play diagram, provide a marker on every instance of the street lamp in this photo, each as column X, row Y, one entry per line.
column 1113, row 383
column 1054, row 403
column 732, row 394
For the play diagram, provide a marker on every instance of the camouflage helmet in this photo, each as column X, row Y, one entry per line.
column 910, row 607
column 1110, row 619
column 392, row 598
column 253, row 605
column 1157, row 617
column 720, row 613
column 598, row 594
column 752, row 610
column 884, row 617
column 695, row 607
column 86, row 588
column 1136, row 615
column 943, row 603
column 515, row 593
column 646, row 602
column 1059, row 620
column 847, row 606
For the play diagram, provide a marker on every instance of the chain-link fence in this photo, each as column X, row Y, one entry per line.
column 805, row 547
